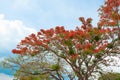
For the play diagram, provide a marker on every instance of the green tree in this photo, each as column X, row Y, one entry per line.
column 28, row 67
column 110, row 76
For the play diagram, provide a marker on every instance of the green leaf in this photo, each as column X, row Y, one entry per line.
column 97, row 38
column 110, row 46
column 55, row 67
column 98, row 55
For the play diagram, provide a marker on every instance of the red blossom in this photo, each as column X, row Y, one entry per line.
column 24, row 49
column 88, row 45
column 109, row 12
column 16, row 51
column 82, row 19
column 79, row 38
column 74, row 56
column 39, row 33
column 102, row 31
column 71, row 34
column 78, row 46
column 96, row 51
column 112, row 23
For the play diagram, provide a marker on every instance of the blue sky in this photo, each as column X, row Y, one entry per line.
column 44, row 13
column 19, row 18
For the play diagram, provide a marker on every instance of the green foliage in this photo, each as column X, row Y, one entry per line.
column 97, row 38
column 39, row 77
column 55, row 67
column 110, row 76
column 70, row 45
column 98, row 55
column 110, row 46
column 88, row 51
column 27, row 67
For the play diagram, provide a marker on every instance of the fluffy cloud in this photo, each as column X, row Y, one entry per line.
column 5, row 77
column 12, row 31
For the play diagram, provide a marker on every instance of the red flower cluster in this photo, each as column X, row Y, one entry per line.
column 21, row 51
column 110, row 13
column 85, row 39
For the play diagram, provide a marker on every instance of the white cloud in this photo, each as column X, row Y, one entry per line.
column 5, row 77
column 1, row 16
column 12, row 31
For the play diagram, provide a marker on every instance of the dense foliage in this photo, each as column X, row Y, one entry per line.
column 110, row 76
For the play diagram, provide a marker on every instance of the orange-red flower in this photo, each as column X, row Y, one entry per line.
column 74, row 56
column 96, row 51
column 16, row 51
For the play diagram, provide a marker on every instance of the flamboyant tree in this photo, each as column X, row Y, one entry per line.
column 81, row 52
column 110, row 17
column 110, row 14
column 82, row 49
